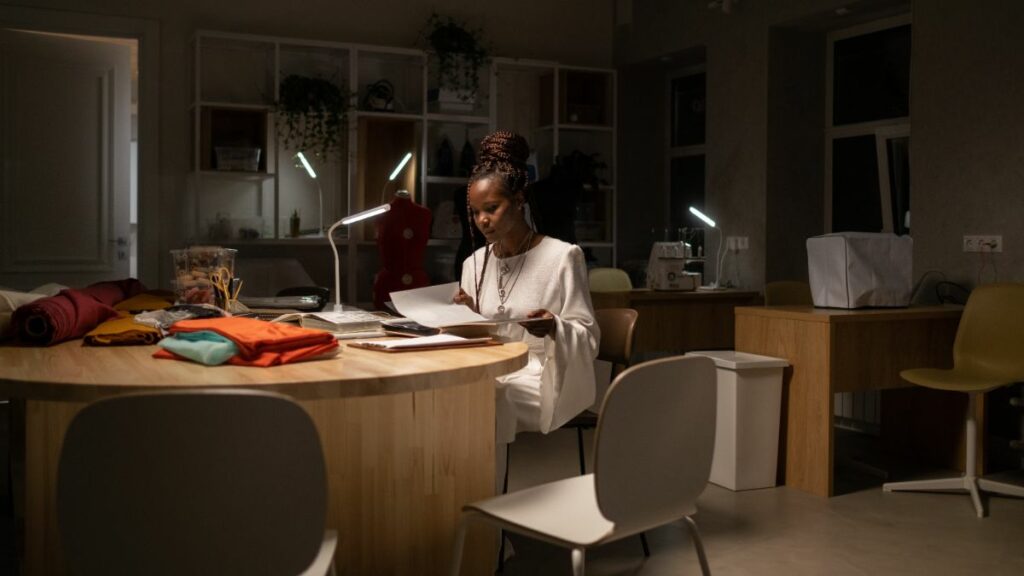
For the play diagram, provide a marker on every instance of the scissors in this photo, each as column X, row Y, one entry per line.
column 226, row 286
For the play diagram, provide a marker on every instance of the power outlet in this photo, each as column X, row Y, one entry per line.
column 983, row 243
column 737, row 243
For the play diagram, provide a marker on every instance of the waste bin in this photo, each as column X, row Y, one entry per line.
column 747, row 423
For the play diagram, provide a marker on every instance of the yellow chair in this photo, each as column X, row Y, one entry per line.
column 988, row 353
column 787, row 293
column 609, row 280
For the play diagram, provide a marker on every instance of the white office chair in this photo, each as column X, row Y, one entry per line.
column 194, row 482
column 655, row 439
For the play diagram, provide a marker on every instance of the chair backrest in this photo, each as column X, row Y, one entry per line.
column 655, row 440
column 191, row 482
column 609, row 280
column 618, row 333
column 787, row 293
column 990, row 337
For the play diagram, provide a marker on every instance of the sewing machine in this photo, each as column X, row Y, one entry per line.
column 666, row 267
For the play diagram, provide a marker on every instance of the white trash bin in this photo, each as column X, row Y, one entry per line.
column 747, row 423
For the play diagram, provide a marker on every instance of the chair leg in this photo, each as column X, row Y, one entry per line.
column 997, row 487
column 504, row 490
column 643, row 542
column 460, row 543
column 968, row 481
column 698, row 545
column 579, row 445
column 578, row 557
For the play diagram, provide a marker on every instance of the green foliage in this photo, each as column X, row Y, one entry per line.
column 460, row 53
column 311, row 114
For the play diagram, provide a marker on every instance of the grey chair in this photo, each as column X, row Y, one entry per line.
column 194, row 482
column 655, row 441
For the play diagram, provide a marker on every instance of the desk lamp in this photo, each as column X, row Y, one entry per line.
column 347, row 221
column 320, row 191
column 719, row 256
column 394, row 174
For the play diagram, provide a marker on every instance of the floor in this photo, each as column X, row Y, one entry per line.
column 779, row 531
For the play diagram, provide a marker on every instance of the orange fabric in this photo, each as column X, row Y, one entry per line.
column 260, row 343
column 121, row 331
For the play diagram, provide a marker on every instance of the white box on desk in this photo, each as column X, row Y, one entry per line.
column 860, row 269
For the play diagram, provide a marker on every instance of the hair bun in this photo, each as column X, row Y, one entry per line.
column 505, row 146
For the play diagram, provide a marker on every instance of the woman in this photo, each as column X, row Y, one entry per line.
column 522, row 274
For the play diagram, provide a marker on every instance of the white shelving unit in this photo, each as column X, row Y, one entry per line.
column 236, row 84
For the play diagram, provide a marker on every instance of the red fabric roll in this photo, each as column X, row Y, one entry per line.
column 72, row 313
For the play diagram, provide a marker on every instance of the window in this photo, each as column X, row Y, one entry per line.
column 687, row 96
column 867, row 141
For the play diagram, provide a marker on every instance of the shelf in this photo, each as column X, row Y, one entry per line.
column 460, row 118
column 578, row 127
column 233, row 105
column 387, row 115
column 238, row 175
column 455, row 180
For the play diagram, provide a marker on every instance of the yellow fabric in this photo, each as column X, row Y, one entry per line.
column 989, row 348
column 144, row 302
column 121, row 331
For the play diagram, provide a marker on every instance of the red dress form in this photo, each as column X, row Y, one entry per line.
column 402, row 235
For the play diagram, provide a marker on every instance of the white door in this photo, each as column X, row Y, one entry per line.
column 65, row 131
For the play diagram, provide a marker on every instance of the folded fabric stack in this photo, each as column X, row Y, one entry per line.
column 257, row 343
column 71, row 313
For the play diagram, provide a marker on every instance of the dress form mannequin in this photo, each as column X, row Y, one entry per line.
column 402, row 235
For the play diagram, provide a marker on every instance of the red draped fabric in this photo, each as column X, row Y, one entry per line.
column 71, row 313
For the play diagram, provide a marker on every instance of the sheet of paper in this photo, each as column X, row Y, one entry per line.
column 432, row 306
column 423, row 342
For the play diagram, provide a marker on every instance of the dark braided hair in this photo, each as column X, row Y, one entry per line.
column 503, row 155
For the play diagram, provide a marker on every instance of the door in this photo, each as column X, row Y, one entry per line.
column 65, row 132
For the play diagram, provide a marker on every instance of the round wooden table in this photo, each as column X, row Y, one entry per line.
column 408, row 439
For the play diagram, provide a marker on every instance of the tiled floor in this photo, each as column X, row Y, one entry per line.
column 786, row 532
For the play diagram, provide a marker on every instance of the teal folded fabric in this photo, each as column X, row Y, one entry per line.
column 205, row 347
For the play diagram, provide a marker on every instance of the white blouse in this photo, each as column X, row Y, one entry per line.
column 558, row 381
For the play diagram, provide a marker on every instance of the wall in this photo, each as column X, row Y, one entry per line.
column 967, row 146
column 572, row 31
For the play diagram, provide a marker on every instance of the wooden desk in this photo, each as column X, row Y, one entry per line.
column 408, row 439
column 833, row 351
column 678, row 322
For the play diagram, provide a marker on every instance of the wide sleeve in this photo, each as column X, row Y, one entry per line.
column 568, row 374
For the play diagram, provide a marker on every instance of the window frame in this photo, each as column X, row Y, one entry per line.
column 882, row 130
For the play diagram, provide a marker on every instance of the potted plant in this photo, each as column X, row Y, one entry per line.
column 460, row 53
column 311, row 114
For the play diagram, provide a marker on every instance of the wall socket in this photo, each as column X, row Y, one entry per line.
column 737, row 243
column 983, row 243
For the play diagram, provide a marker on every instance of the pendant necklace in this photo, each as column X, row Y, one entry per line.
column 506, row 279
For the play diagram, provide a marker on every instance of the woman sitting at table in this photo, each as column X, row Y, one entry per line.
column 522, row 274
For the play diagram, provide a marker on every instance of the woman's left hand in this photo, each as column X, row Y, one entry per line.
column 544, row 325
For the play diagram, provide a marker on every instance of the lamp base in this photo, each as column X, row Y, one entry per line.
column 711, row 288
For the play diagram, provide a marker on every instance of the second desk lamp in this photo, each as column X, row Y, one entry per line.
column 719, row 255
column 358, row 217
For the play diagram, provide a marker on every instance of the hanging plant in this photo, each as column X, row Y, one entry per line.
column 311, row 114
column 460, row 53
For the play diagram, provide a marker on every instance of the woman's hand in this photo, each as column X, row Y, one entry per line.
column 544, row 325
column 463, row 298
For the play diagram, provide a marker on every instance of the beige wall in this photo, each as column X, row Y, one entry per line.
column 765, row 181
column 575, row 32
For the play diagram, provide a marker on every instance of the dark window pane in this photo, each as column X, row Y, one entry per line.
column 687, row 103
column 872, row 76
column 856, row 201
column 898, row 150
column 687, row 189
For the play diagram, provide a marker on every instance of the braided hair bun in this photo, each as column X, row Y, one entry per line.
column 503, row 154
